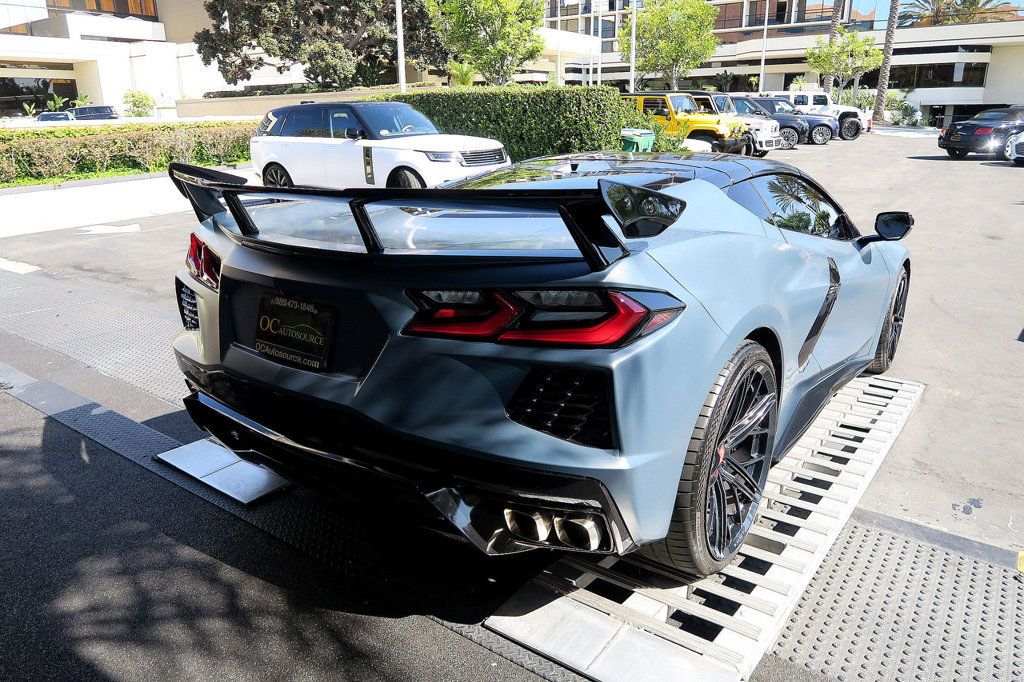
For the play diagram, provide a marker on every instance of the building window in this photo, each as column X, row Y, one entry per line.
column 960, row 74
column 730, row 15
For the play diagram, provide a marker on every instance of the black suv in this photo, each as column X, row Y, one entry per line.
column 94, row 112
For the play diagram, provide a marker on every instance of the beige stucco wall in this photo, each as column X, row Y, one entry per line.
column 1005, row 81
column 182, row 19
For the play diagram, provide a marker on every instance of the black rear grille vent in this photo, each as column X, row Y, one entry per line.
column 188, row 307
column 574, row 405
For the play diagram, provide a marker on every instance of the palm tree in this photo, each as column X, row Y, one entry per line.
column 833, row 31
column 977, row 11
column 883, row 73
column 927, row 13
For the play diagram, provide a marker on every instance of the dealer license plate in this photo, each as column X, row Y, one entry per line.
column 294, row 332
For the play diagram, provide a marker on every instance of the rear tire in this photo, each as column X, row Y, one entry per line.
column 274, row 175
column 892, row 328
column 695, row 543
column 957, row 153
column 405, row 179
column 820, row 134
column 849, row 129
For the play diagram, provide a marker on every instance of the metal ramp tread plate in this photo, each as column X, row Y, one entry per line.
column 580, row 612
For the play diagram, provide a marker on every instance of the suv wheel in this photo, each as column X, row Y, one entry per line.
column 274, row 175
column 406, row 179
column 849, row 129
column 726, row 467
column 790, row 137
column 821, row 134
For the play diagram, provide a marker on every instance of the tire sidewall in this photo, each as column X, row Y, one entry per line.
column 819, row 127
column 850, row 122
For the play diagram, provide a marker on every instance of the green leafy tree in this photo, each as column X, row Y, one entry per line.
column 55, row 102
column 724, row 80
column 496, row 36
column 461, row 73
column 323, row 35
column 851, row 55
column 81, row 101
column 139, row 103
column 673, row 37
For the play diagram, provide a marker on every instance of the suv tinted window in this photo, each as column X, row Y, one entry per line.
column 268, row 124
column 821, row 100
column 744, row 106
column 340, row 120
column 724, row 104
column 304, row 123
column 798, row 206
column 800, row 100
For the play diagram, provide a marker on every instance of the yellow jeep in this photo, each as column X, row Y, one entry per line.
column 681, row 116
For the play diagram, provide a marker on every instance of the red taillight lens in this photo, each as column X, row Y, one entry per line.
column 589, row 318
column 984, row 131
column 943, row 131
column 203, row 263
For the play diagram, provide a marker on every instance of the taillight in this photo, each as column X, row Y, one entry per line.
column 942, row 132
column 591, row 318
column 203, row 263
column 984, row 131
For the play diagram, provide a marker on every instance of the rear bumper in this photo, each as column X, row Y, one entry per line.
column 336, row 450
column 984, row 145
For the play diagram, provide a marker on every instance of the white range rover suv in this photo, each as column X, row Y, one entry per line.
column 337, row 145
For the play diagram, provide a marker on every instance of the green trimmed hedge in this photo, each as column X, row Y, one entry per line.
column 531, row 121
column 67, row 152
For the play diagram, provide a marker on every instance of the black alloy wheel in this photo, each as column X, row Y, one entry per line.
column 406, row 179
column 738, row 473
column 726, row 467
column 821, row 134
column 790, row 137
column 892, row 328
column 276, row 176
column 850, row 129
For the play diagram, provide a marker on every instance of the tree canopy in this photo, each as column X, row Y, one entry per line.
column 673, row 36
column 849, row 56
column 495, row 36
column 331, row 38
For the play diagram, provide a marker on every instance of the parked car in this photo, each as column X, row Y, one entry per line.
column 822, row 126
column 986, row 133
column 365, row 144
column 1014, row 149
column 764, row 133
column 852, row 121
column 793, row 129
column 94, row 112
column 56, row 116
column 587, row 352
column 681, row 117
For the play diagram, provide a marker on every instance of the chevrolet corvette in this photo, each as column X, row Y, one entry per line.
column 600, row 353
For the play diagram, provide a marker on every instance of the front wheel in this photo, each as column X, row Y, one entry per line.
column 821, row 134
column 957, row 153
column 790, row 138
column 405, row 179
column 726, row 467
column 850, row 129
column 892, row 328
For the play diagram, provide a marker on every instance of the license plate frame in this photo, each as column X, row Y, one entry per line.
column 294, row 331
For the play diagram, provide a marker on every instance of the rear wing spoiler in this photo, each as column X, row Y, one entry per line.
column 582, row 210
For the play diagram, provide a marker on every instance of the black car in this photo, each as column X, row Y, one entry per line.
column 793, row 128
column 94, row 112
column 986, row 133
column 822, row 127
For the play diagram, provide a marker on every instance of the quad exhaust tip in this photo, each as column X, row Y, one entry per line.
column 575, row 531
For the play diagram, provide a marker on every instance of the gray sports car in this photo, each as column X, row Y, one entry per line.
column 598, row 352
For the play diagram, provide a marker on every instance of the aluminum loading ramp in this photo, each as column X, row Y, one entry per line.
column 630, row 619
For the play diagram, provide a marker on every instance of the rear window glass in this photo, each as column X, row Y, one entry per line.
column 996, row 116
column 321, row 223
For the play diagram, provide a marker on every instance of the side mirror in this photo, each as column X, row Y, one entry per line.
column 662, row 112
column 893, row 225
column 353, row 133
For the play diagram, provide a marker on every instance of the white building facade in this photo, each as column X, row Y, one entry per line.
column 952, row 64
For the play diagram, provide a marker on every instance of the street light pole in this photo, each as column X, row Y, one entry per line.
column 764, row 46
column 632, row 45
column 399, row 29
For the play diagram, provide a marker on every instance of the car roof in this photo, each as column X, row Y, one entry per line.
column 662, row 93
column 720, row 170
column 322, row 105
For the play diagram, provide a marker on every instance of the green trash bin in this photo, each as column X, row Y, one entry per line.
column 637, row 140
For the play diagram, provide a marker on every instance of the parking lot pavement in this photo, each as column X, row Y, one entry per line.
column 112, row 572
column 957, row 464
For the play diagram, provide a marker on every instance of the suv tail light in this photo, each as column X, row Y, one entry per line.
column 591, row 318
column 203, row 263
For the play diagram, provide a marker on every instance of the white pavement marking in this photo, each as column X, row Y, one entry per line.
column 17, row 267
column 110, row 229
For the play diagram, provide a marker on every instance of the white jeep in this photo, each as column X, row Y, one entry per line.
column 852, row 121
column 764, row 131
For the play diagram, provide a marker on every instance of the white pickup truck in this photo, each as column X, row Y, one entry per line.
column 852, row 121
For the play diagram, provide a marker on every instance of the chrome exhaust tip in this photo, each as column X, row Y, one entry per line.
column 533, row 526
column 579, row 531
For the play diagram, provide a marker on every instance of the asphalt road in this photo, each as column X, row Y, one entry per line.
column 108, row 571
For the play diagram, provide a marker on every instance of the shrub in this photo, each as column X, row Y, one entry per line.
column 139, row 103
column 530, row 121
column 40, row 155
